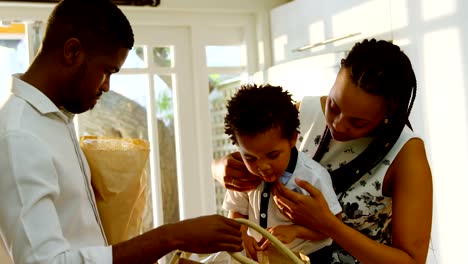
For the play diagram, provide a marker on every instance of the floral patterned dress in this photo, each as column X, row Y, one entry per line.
column 365, row 208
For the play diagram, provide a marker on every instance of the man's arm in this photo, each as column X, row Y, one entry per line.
column 207, row 234
column 31, row 227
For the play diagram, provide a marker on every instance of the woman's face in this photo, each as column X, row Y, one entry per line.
column 350, row 112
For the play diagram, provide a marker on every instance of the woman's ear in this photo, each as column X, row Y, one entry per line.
column 392, row 109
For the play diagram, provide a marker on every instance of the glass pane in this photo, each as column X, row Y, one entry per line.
column 163, row 87
column 134, row 87
column 163, row 56
column 13, row 59
column 225, row 56
column 36, row 34
column 136, row 58
column 221, row 89
column 121, row 113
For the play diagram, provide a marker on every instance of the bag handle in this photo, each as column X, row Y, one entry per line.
column 275, row 241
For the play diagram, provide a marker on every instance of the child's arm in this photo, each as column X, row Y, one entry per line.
column 249, row 243
column 235, row 215
column 287, row 233
column 310, row 234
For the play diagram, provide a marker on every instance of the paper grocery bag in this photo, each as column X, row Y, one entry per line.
column 118, row 176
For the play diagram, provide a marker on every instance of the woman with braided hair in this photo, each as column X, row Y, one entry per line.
column 361, row 133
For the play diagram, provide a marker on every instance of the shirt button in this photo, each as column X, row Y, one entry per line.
column 263, row 215
column 265, row 194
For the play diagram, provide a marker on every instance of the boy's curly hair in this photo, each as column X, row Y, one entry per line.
column 257, row 109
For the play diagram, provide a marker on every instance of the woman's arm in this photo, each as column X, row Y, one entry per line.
column 411, row 190
column 287, row 233
column 312, row 234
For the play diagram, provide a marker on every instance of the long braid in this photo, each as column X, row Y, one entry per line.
column 413, row 97
column 380, row 68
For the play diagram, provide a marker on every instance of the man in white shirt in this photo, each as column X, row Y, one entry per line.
column 48, row 212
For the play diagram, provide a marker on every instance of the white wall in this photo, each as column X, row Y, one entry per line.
column 304, row 22
column 220, row 4
column 437, row 37
column 434, row 35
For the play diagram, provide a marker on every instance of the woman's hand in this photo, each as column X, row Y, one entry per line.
column 233, row 174
column 309, row 211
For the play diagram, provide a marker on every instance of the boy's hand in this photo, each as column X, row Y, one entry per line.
column 285, row 233
column 251, row 246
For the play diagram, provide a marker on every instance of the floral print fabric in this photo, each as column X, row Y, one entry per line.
column 365, row 208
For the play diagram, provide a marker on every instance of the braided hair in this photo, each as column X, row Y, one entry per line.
column 379, row 68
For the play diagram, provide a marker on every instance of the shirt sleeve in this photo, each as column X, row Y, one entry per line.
column 236, row 202
column 318, row 176
column 29, row 221
column 325, row 185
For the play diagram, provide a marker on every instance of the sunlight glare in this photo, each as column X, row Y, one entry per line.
column 358, row 18
column 432, row 9
column 399, row 13
column 279, row 48
column 317, row 34
column 445, row 99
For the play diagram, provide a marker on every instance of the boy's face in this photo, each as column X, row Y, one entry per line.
column 266, row 154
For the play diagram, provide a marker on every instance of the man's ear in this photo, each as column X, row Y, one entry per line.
column 73, row 51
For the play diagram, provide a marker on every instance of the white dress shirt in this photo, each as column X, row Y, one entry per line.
column 248, row 203
column 48, row 212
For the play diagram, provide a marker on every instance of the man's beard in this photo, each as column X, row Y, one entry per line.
column 72, row 103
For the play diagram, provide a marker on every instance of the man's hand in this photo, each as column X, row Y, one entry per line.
column 208, row 234
column 205, row 234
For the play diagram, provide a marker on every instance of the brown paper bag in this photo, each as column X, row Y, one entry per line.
column 118, row 176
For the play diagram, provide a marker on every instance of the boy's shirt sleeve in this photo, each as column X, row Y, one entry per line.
column 320, row 178
column 236, row 202
column 325, row 185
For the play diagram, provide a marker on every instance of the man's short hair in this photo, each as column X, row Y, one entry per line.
column 98, row 24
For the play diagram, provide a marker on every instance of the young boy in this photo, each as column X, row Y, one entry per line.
column 263, row 122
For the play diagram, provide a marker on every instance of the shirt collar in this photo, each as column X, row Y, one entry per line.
column 36, row 98
column 291, row 166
